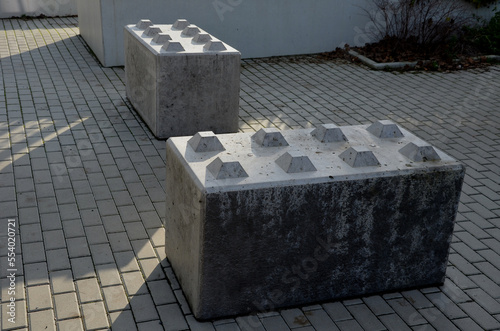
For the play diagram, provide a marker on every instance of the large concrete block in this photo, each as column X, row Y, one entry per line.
column 180, row 79
column 275, row 219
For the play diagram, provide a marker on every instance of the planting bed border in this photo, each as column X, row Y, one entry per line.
column 399, row 65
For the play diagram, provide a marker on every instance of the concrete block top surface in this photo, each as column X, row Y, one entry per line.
column 270, row 157
column 179, row 38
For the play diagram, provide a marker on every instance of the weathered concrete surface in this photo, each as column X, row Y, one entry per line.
column 182, row 86
column 278, row 238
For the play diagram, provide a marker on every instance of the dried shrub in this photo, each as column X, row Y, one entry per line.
column 426, row 22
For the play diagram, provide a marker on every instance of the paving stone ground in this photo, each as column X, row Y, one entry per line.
column 83, row 178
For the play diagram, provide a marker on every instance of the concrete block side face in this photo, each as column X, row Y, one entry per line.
column 357, row 238
column 140, row 76
column 185, row 205
column 213, row 85
column 385, row 129
column 420, row 153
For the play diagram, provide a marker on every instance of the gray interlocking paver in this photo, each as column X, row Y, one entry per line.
column 74, row 324
column 156, row 325
column 161, row 292
column 480, row 316
column 76, row 161
column 96, row 235
column 39, row 298
column 58, row 259
column 54, row 239
column 94, row 316
column 33, row 252
column 66, row 306
column 82, row 267
column 378, row 305
column 320, row 320
column 42, row 320
column 77, row 247
column 134, row 283
column 349, row 325
column 172, row 317
column 126, row 261
column 195, row 325
column 115, row 298
column 143, row 308
column 294, row 318
column 88, row 290
column 487, row 285
column 337, row 311
column 491, row 305
column 365, row 317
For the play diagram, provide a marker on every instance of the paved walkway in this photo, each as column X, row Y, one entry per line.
column 84, row 179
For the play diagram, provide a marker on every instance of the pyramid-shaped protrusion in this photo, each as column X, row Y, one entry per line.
column 385, row 129
column 420, row 152
column 328, row 133
column 202, row 38
column 359, row 156
column 172, row 46
column 190, row 31
column 269, row 137
column 143, row 24
column 162, row 38
column 152, row 31
column 295, row 162
column 180, row 24
column 226, row 167
column 214, row 46
column 205, row 141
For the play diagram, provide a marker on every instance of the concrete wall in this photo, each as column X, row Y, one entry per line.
column 18, row 8
column 257, row 28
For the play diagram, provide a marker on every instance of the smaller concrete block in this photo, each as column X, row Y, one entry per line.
column 269, row 137
column 420, row 152
column 205, row 141
column 224, row 167
column 151, row 31
column 214, row 46
column 190, row 31
column 162, row 38
column 359, row 156
column 180, row 24
column 143, row 24
column 328, row 133
column 295, row 162
column 202, row 38
column 385, row 129
column 172, row 46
